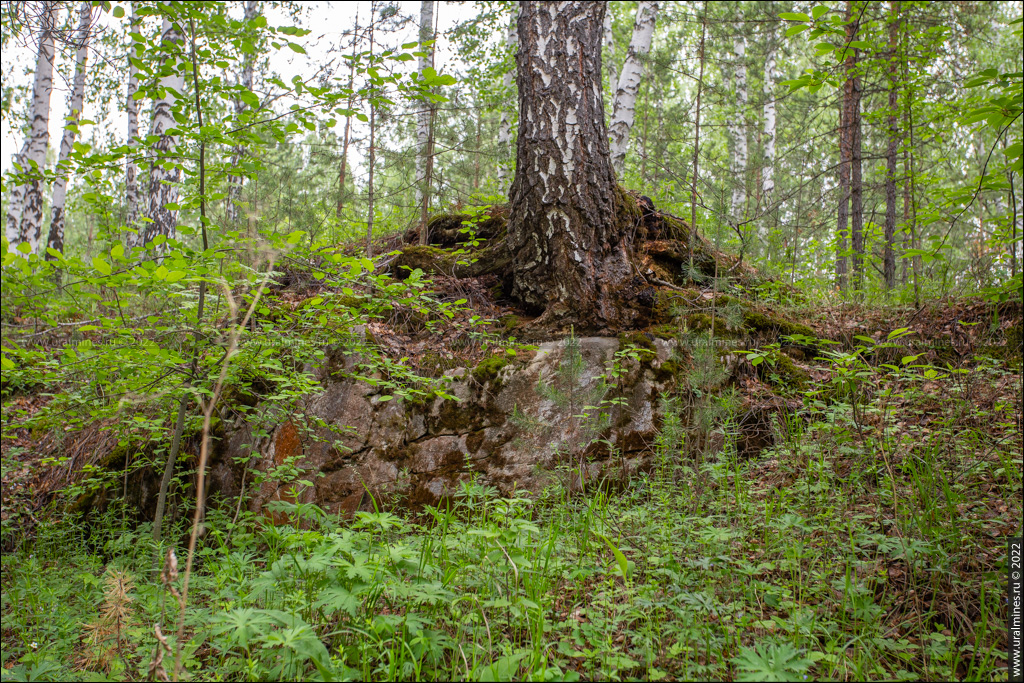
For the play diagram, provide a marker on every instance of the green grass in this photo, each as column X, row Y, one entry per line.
column 867, row 545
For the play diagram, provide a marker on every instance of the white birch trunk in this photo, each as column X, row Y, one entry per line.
column 423, row 117
column 235, row 181
column 505, row 125
column 770, row 79
column 624, row 107
column 134, row 236
column 609, row 43
column 55, row 239
column 25, row 212
column 163, row 183
column 739, row 131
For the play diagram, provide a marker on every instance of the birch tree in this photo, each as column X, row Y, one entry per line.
column 738, row 131
column 505, row 125
column 55, row 239
column 624, row 108
column 25, row 207
column 609, row 44
column 164, row 172
column 570, row 252
column 135, row 233
column 770, row 79
column 245, row 80
column 426, row 60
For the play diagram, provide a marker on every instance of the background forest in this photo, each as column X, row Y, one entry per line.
column 205, row 202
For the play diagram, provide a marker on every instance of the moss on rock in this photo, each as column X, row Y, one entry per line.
column 488, row 369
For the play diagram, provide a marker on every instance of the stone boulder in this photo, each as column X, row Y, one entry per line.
column 515, row 424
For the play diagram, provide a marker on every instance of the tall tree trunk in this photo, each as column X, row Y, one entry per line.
column 55, row 239
column 857, row 185
column 356, row 42
column 845, row 156
column 696, row 138
column 426, row 123
column 373, row 151
column 163, row 183
column 771, row 76
column 25, row 207
column 423, row 116
column 505, row 125
column 570, row 253
column 136, row 230
column 889, row 258
column 738, row 128
column 624, row 108
column 239, row 151
column 609, row 43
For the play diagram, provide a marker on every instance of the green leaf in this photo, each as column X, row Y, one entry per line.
column 819, row 11
column 6, row 363
column 794, row 30
column 174, row 275
column 297, row 48
column 619, row 557
column 794, row 16
column 100, row 265
column 119, row 12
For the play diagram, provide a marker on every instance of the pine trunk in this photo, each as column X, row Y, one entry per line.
column 136, row 230
column 738, row 128
column 163, row 183
column 569, row 253
column 845, row 156
column 624, row 108
column 856, row 184
column 889, row 258
column 239, row 151
column 25, row 208
column 55, row 240
column 505, row 125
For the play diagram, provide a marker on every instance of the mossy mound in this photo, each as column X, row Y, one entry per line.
column 450, row 229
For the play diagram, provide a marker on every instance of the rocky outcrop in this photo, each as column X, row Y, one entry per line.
column 519, row 422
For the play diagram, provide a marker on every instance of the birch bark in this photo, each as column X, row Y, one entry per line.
column 624, row 108
column 609, row 43
column 55, row 239
column 505, row 125
column 739, row 132
column 423, row 117
column 771, row 76
column 163, row 182
column 135, row 233
column 25, row 208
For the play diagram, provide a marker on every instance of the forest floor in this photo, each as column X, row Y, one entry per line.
column 869, row 543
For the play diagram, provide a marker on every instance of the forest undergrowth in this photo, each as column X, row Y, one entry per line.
column 867, row 544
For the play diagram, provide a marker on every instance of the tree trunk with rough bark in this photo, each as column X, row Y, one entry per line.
column 235, row 182
column 25, row 207
column 163, row 183
column 55, row 239
column 845, row 156
column 738, row 129
column 624, row 108
column 505, row 125
column 343, row 171
column 136, row 230
column 889, row 258
column 570, row 253
column 856, row 182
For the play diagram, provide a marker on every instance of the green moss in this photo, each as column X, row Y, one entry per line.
column 784, row 374
column 755, row 321
column 427, row 259
column 666, row 331
column 1014, row 340
column 489, row 368
column 640, row 341
column 508, row 323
